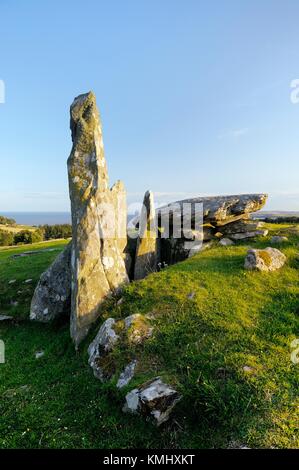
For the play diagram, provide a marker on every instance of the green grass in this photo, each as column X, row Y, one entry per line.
column 236, row 319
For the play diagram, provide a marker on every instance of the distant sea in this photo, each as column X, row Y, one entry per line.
column 39, row 218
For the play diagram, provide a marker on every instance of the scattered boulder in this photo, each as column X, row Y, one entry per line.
column 146, row 250
column 100, row 347
column 226, row 242
column 269, row 259
column 153, row 399
column 52, row 295
column 28, row 281
column 134, row 329
column 278, row 239
column 12, row 281
column 97, row 266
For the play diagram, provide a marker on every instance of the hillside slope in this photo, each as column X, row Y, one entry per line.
column 221, row 335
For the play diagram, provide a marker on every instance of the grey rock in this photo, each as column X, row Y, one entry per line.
column 269, row 259
column 5, row 317
column 52, row 295
column 39, row 354
column 127, row 375
column 103, row 343
column 12, row 281
column 146, row 251
column 97, row 266
column 135, row 328
column 226, row 242
column 218, row 210
column 245, row 235
column 28, row 281
column 154, row 398
column 240, row 226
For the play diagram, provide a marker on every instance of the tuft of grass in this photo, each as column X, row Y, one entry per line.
column 226, row 349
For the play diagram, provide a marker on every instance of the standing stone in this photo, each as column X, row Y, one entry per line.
column 52, row 296
column 119, row 201
column 146, row 250
column 97, row 266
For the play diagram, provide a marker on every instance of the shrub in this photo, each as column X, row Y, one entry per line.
column 6, row 238
column 27, row 236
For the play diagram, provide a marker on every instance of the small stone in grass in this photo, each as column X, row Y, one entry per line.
column 5, row 317
column 39, row 354
column 28, row 281
column 191, row 295
column 12, row 281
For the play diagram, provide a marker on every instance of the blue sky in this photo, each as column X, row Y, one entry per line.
column 194, row 97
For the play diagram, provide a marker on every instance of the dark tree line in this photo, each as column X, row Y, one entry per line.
column 282, row 220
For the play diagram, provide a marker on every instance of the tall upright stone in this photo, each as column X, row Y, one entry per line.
column 97, row 266
column 146, row 249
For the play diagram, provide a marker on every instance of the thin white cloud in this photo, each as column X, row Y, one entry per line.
column 234, row 133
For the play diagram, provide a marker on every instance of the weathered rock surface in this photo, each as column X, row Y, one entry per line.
column 127, row 375
column 103, row 343
column 154, row 398
column 244, row 235
column 269, row 259
column 146, row 251
column 119, row 201
column 97, row 265
column 241, row 226
column 218, row 210
column 134, row 329
column 226, row 242
column 52, row 295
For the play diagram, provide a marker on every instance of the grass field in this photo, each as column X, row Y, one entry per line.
column 227, row 350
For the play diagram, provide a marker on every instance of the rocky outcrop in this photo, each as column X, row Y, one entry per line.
column 97, row 265
column 52, row 296
column 146, row 251
column 153, row 399
column 269, row 259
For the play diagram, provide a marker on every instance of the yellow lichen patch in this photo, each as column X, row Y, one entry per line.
column 264, row 255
